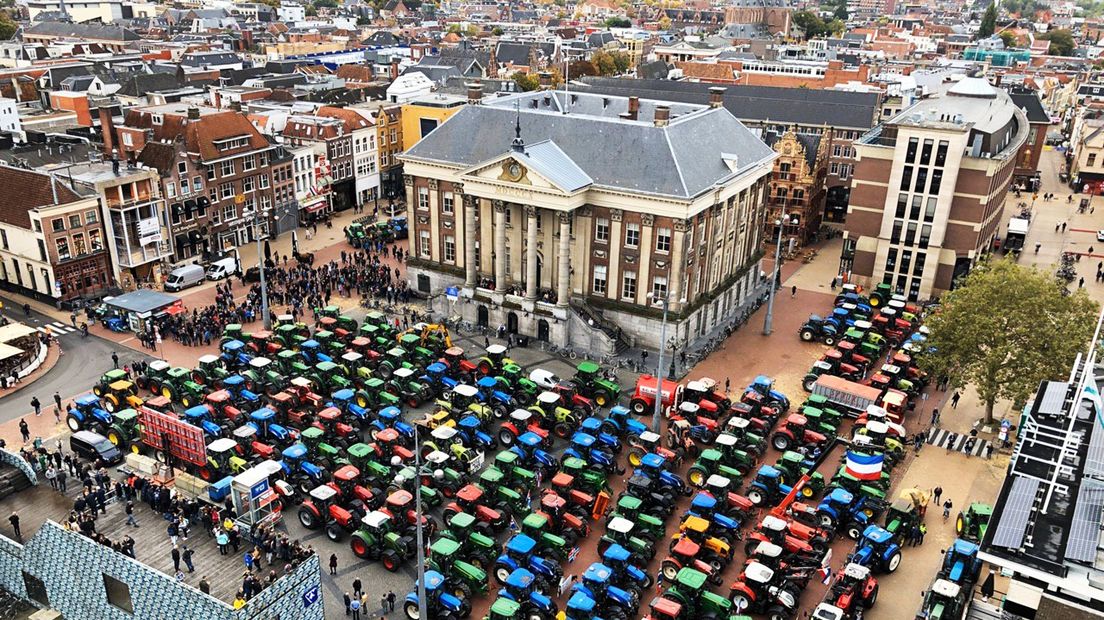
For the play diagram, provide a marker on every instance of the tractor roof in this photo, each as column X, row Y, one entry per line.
column 629, row 502
column 877, row 427
column 159, row 365
column 403, row 372
column 437, row 457
column 496, row 349
column 856, row 571
column 583, row 440
column 233, row 380
column 323, row 492
column 223, row 444
column 312, row 432
column 259, row 362
column 120, row 386
column 620, row 525
column 330, row 413
column 401, row 497
column 703, row 502
column 877, row 535
column 444, row 546
column 652, row 460
column 203, row 359
column 598, row 572
column 964, row 547
column 946, row 588
column 763, row 380
column 233, row 345
column 616, row 553
column 768, row 550
column 521, row 579
column 88, row 400
column 739, row 423
column 469, row 493
column 295, row 451
column 262, row 414
column 773, row 523
column 758, row 573
column 726, row 440
column 198, row 411
column 301, row 382
column 347, row 473
column 530, row 439
column 359, row 450
column 978, row 508
column 649, row 437
column 461, row 520
column 436, row 367
column 352, row 356
column 325, row 366
column 580, row 602
column 689, row 407
column 506, row 608
column 465, row 390
column 842, row 496
column 686, row 547
column 309, row 344
column 768, row 471
column 444, row 432
column 521, row 544
column 666, row 608
column 487, row 382
column 553, row 501
column 587, row 367
column 695, row 524
column 696, row 386
column 691, row 579
column 125, row 415
column 548, row 398
column 433, row 581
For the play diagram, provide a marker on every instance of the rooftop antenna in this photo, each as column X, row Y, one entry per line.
column 567, row 82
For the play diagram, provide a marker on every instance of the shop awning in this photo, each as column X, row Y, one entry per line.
column 6, row 351
column 318, row 206
column 11, row 331
column 142, row 300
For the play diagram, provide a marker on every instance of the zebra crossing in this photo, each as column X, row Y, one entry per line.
column 948, row 440
column 57, row 328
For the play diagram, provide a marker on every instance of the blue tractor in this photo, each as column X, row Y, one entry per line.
column 532, row 456
column 299, row 471
column 581, row 607
column 842, row 509
column 620, row 423
column 345, row 400
column 613, row 602
column 263, row 421
column 200, row 416
column 87, row 414
column 626, row 574
column 244, row 399
column 654, row 467
column 520, row 552
column 235, row 354
column 764, row 386
column 521, row 586
column 388, row 417
column 499, row 400
column 441, row 604
column 767, row 488
column 960, row 563
column 585, row 446
column 437, row 378
column 877, row 550
column 598, row 428
column 312, row 351
column 471, row 431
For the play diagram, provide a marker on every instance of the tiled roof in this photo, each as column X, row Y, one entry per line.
column 34, row 191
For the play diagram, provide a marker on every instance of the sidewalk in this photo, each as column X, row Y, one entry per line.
column 52, row 357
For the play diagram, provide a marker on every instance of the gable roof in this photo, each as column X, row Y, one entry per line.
column 103, row 32
column 36, row 189
column 1032, row 106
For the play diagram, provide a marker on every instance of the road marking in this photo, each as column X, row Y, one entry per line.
column 948, row 440
column 61, row 327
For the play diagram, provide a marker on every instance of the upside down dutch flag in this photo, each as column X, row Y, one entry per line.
column 864, row 466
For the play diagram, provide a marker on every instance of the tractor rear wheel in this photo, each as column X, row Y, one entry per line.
column 98, row 390
column 73, row 423
column 869, row 601
column 309, row 518
column 411, row 610
column 638, row 406
column 391, row 561
column 601, row 397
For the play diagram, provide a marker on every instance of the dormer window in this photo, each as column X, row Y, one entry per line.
column 158, row 119
column 228, row 144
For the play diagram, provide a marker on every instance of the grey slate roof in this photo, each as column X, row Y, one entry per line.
column 680, row 160
column 436, row 73
column 552, row 163
column 103, row 32
column 804, row 106
column 1029, row 102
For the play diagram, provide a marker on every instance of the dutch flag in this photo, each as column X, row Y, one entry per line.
column 864, row 466
column 1089, row 393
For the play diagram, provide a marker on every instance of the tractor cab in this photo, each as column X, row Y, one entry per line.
column 961, row 563
column 464, row 395
column 223, row 459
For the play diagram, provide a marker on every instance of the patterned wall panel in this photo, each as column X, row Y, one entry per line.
column 17, row 461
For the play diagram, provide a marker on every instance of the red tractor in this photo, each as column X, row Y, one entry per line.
column 849, row 355
column 389, row 444
column 402, row 508
column 561, row 519
column 579, row 503
column 329, row 420
column 321, row 510
column 685, row 554
column 468, row 500
column 792, row 536
column 220, row 403
column 302, row 394
column 459, row 367
column 346, row 481
column 644, row 396
column 704, row 392
column 854, row 587
column 753, row 409
column 288, row 411
column 795, row 432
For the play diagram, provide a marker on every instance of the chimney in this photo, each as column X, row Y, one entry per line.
column 716, row 96
column 475, row 93
column 107, row 127
column 193, row 114
column 394, row 68
column 545, row 80
column 634, row 108
column 662, row 115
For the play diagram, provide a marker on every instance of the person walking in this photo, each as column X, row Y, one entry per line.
column 61, row 476
column 14, row 520
column 390, row 601
column 24, row 430
column 115, row 359
column 333, row 563
column 793, row 291
column 936, row 493
column 130, row 520
column 176, row 558
column 37, row 405
column 935, row 416
column 955, row 398
column 383, row 604
column 187, row 557
column 947, row 505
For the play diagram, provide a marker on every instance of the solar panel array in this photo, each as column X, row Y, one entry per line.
column 1094, row 459
column 1017, row 510
column 1053, row 399
column 1084, row 533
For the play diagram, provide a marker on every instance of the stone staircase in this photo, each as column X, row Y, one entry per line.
column 12, row 480
column 606, row 332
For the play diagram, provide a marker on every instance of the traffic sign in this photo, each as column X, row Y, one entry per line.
column 310, row 596
column 452, row 293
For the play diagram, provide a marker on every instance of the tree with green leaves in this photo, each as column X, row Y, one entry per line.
column 1006, row 328
column 7, row 26
column 809, row 24
column 841, row 12
column 988, row 21
column 605, row 62
column 526, row 81
column 618, row 22
column 1009, row 39
column 1062, row 42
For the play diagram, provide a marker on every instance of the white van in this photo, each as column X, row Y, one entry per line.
column 183, row 277
column 222, row 268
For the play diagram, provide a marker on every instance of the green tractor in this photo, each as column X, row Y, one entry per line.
column 261, row 376
column 178, row 386
column 291, row 335
column 393, row 358
column 477, row 545
column 102, row 387
column 590, row 383
column 710, row 462
column 209, row 370
column 881, row 295
column 291, row 364
column 406, row 385
column 462, row 578
column 377, row 538
column 154, row 377
column 319, row 452
column 374, row 395
column 520, row 386
column 494, row 360
column 793, row 465
column 419, row 355
column 124, row 432
column 972, row 522
column 233, row 331
column 328, row 378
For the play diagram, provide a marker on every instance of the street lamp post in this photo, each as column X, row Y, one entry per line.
column 420, row 539
column 774, row 277
column 659, row 369
column 265, row 317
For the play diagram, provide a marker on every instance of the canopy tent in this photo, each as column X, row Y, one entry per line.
column 142, row 301
column 6, row 351
column 11, row 331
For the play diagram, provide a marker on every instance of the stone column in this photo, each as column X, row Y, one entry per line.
column 434, row 223
column 678, row 263
column 471, row 276
column 616, row 240
column 563, row 285
column 499, row 244
column 408, row 180
column 531, row 284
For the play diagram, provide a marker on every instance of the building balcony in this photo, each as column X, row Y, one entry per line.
column 132, row 203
